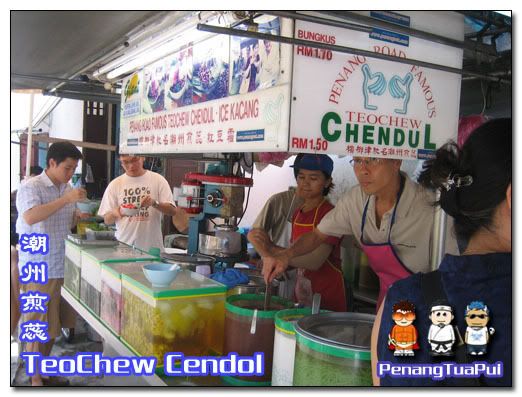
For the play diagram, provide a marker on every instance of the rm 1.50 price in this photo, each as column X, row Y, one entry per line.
column 309, row 143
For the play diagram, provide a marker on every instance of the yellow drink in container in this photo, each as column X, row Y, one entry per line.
column 187, row 316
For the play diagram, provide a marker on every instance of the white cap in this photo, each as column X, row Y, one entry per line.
column 443, row 308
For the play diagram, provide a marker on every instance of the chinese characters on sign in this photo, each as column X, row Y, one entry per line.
column 34, row 301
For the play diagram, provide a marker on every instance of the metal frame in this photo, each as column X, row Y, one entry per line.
column 468, row 45
column 347, row 50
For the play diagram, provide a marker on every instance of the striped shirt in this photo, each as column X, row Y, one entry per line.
column 37, row 191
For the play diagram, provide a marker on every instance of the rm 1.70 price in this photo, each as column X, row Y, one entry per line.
column 309, row 143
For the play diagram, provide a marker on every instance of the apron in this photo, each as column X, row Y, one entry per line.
column 328, row 280
column 382, row 258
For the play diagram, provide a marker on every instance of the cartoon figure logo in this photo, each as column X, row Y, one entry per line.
column 403, row 336
column 477, row 334
column 441, row 334
column 375, row 84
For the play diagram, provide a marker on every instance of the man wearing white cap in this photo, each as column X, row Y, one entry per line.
column 441, row 334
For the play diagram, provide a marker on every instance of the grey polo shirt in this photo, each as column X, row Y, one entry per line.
column 277, row 212
column 411, row 233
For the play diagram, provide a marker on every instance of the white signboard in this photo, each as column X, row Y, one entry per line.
column 242, row 123
column 356, row 105
column 226, row 94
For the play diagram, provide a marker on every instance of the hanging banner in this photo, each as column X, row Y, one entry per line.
column 240, row 123
column 225, row 94
column 362, row 106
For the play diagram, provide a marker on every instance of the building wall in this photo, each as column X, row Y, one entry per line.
column 67, row 123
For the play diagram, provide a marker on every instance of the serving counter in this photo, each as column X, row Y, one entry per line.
column 113, row 347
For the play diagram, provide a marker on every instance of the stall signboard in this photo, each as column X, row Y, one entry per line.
column 363, row 106
column 225, row 94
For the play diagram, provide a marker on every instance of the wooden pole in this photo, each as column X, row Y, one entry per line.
column 97, row 146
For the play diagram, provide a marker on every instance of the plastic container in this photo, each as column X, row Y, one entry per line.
column 72, row 268
column 88, row 207
column 284, row 345
column 83, row 224
column 204, row 270
column 111, row 298
column 333, row 349
column 188, row 316
column 129, row 211
column 99, row 234
column 246, row 338
column 92, row 260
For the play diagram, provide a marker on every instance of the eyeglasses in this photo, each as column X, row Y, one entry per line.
column 130, row 161
column 368, row 163
column 400, row 316
column 481, row 316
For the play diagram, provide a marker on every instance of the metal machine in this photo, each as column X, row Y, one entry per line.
column 215, row 196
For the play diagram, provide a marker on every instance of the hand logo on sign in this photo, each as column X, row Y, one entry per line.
column 375, row 84
column 272, row 111
column 399, row 93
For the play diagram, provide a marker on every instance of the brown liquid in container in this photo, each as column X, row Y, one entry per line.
column 238, row 323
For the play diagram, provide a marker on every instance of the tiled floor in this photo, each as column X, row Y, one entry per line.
column 82, row 342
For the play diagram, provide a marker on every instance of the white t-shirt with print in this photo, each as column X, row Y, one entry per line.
column 477, row 335
column 143, row 229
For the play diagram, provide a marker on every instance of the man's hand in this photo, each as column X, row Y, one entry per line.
column 75, row 195
column 180, row 219
column 112, row 216
column 146, row 201
column 116, row 213
column 273, row 266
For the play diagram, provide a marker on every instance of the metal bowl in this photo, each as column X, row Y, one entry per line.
column 222, row 244
column 256, row 285
column 187, row 261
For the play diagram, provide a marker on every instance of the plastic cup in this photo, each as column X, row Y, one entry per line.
column 203, row 270
column 155, row 251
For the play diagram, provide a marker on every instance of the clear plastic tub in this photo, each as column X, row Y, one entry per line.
column 284, row 345
column 333, row 349
column 92, row 261
column 187, row 316
column 111, row 298
column 72, row 268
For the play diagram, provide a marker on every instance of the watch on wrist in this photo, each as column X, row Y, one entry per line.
column 155, row 204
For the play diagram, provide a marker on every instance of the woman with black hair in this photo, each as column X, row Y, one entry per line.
column 475, row 189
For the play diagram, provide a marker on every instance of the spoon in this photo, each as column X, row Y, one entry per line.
column 316, row 303
column 268, row 292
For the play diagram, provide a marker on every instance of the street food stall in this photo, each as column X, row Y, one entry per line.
column 219, row 85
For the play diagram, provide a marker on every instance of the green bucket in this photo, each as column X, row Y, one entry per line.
column 333, row 349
